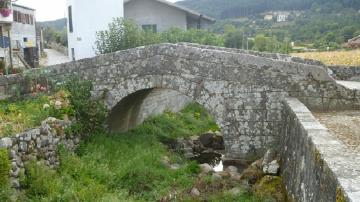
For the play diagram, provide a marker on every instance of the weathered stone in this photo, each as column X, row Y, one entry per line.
column 271, row 168
column 232, row 169
column 15, row 183
column 23, row 147
column 216, row 177
column 269, row 156
column 252, row 175
column 175, row 166
column 5, row 142
column 194, row 192
column 206, row 168
column 235, row 176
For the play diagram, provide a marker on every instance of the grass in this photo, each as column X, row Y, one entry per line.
column 18, row 116
column 349, row 58
column 126, row 166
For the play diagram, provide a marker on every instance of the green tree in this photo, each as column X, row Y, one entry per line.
column 260, row 43
column 121, row 34
column 235, row 39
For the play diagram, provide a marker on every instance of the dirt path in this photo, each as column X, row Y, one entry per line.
column 54, row 57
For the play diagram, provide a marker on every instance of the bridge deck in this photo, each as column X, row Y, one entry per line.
column 353, row 85
column 344, row 125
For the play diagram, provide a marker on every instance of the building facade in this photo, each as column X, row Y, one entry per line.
column 18, row 43
column 161, row 15
column 85, row 18
column 6, row 20
column 23, row 36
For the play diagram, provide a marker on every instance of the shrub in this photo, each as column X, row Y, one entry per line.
column 4, row 168
column 90, row 113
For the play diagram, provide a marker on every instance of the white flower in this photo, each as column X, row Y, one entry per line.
column 58, row 104
column 46, row 106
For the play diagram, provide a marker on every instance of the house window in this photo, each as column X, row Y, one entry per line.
column 149, row 28
column 25, row 39
column 27, row 19
column 31, row 19
column 70, row 19
column 15, row 15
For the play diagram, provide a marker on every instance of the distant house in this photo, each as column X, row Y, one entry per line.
column 268, row 17
column 160, row 15
column 354, row 42
column 281, row 18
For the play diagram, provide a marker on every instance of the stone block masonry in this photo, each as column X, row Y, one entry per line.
column 243, row 90
column 37, row 144
column 316, row 167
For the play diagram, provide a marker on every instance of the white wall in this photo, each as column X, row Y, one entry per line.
column 90, row 16
column 145, row 12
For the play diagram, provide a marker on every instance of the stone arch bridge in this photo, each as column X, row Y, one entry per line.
column 243, row 90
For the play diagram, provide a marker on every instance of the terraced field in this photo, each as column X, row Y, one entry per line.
column 350, row 58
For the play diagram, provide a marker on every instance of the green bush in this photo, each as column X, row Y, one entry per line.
column 124, row 34
column 90, row 113
column 4, row 167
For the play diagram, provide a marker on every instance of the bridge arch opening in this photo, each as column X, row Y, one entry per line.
column 134, row 108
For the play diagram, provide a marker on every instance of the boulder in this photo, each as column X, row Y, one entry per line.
column 194, row 192
column 5, row 142
column 232, row 169
column 269, row 156
column 235, row 176
column 252, row 175
column 272, row 168
column 216, row 177
column 206, row 168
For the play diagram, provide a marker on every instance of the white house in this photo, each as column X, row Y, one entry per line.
column 160, row 15
column 85, row 18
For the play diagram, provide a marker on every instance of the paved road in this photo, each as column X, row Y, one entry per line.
column 54, row 57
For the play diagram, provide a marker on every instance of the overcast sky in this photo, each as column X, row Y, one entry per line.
column 49, row 9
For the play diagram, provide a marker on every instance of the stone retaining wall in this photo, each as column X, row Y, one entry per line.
column 37, row 144
column 316, row 167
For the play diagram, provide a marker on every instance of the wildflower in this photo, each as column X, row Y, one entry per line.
column 58, row 104
column 46, row 106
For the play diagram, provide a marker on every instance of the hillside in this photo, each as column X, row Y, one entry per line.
column 58, row 25
column 223, row 9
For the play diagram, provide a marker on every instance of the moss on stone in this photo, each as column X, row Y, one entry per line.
column 4, row 167
column 318, row 158
column 340, row 197
column 270, row 187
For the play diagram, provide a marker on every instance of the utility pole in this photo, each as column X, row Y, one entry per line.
column 10, row 50
column 242, row 43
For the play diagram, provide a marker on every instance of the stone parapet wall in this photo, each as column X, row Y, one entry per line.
column 316, row 167
column 275, row 56
column 345, row 73
column 39, row 144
